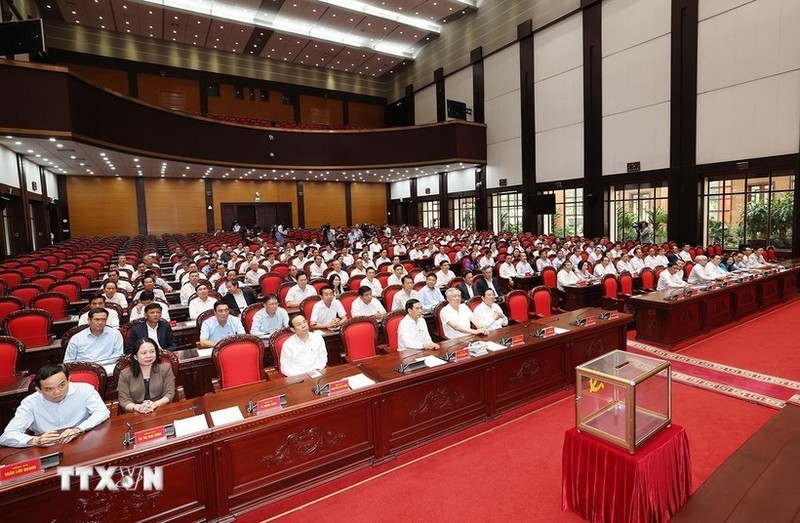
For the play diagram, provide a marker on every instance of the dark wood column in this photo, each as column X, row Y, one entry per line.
column 684, row 207
column 45, row 207
column 441, row 99
column 141, row 205
column 478, row 102
column 528, row 142
column 444, row 203
column 594, row 188
column 209, row 192
column 481, row 200
column 25, row 239
column 409, row 102
column 301, row 205
column 62, row 210
column 348, row 203
column 413, row 210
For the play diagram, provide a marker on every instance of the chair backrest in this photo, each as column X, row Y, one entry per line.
column 308, row 304
column 70, row 288
column 359, row 338
column 390, row 324
column 355, row 282
column 656, row 275
column 276, row 340
column 383, row 277
column 281, row 268
column 248, row 313
column 28, row 269
column 25, row 292
column 43, row 280
column 549, row 278
column 283, row 290
column 626, row 283
column 80, row 278
column 55, row 303
column 9, row 304
column 319, row 283
column 687, row 269
column 88, row 372
column 474, row 302
column 542, row 300
column 518, row 305
column 30, row 326
column 239, row 360
column 388, row 295
column 203, row 316
column 12, row 277
column 610, row 286
column 347, row 298
column 648, row 279
column 270, row 282
column 437, row 324
column 11, row 352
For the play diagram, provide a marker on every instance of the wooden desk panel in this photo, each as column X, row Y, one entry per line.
column 579, row 296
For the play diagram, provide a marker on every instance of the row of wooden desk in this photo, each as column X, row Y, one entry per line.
column 223, row 471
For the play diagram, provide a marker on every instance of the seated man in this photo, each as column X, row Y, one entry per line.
column 190, row 287
column 237, row 298
column 624, row 264
column 488, row 282
column 154, row 328
column 524, row 268
column 671, row 278
column 149, row 284
column 269, row 319
column 201, row 303
column 488, row 314
column 405, row 294
column 366, row 305
column 412, row 331
column 396, row 278
column 445, row 275
column 328, row 313
column 372, row 282
column 146, row 298
column 429, row 295
column 508, row 270
column 467, row 287
column 305, row 351
column 456, row 317
column 318, row 268
column 701, row 273
column 123, row 284
column 96, row 302
column 99, row 343
column 219, row 326
column 56, row 404
column 604, row 267
column 300, row 291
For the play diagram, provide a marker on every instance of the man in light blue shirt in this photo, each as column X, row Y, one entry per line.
column 219, row 326
column 270, row 318
column 429, row 295
column 56, row 413
column 98, row 343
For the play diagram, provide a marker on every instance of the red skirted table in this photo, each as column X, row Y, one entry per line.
column 605, row 483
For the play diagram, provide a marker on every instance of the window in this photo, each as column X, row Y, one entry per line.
column 462, row 213
column 568, row 219
column 632, row 204
column 753, row 208
column 506, row 212
column 429, row 214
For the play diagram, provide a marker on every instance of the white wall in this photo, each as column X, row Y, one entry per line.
column 401, row 189
column 458, row 86
column 502, row 110
column 636, row 84
column 427, row 182
column 32, row 175
column 748, row 79
column 425, row 105
column 52, row 184
column 459, row 181
column 8, row 168
column 558, row 98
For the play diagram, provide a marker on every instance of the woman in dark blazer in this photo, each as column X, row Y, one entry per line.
column 147, row 384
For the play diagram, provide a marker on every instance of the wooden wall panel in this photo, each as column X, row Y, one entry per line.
column 324, row 203
column 231, row 191
column 175, row 205
column 100, row 206
column 318, row 110
column 113, row 79
column 366, row 115
column 172, row 93
column 368, row 201
column 227, row 103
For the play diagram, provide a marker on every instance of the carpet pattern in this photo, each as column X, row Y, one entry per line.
column 744, row 384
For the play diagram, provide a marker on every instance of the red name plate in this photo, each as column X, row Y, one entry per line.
column 269, row 405
column 462, row 354
column 549, row 331
column 516, row 340
column 613, row 315
column 695, row 292
column 20, row 469
column 583, row 283
column 590, row 320
column 337, row 387
column 146, row 436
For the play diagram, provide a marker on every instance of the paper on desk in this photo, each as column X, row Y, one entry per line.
column 229, row 415
column 204, row 353
column 359, row 381
column 559, row 330
column 186, row 426
column 494, row 347
column 432, row 361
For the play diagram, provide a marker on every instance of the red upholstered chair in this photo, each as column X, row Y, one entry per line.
column 687, row 269
column 43, row 280
column 541, row 298
column 437, row 324
column 33, row 327
column 769, row 254
column 247, row 315
column 28, row 269
column 281, row 268
column 388, row 295
column 657, row 274
column 72, row 331
column 648, row 279
column 409, row 265
column 549, row 278
column 269, row 282
column 9, row 304
column 239, row 360
column 203, row 316
column 276, row 340
column 307, row 305
column 12, row 277
column 383, row 277
column 11, row 353
column 57, row 272
column 347, row 299
column 474, row 302
column 611, row 299
column 518, row 304
column 359, row 338
column 283, row 290
column 625, row 284
column 88, row 372
column 390, row 324
column 81, row 279
column 55, row 303
column 70, row 288
column 25, row 292
column 698, row 251
column 354, row 282
column 319, row 283
column 718, row 249
column 41, row 264
column 419, row 285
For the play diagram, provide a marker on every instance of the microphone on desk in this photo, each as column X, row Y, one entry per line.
column 321, row 389
column 403, row 367
column 170, row 429
column 252, row 406
column 580, row 321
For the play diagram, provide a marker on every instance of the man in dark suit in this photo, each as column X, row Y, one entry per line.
column 483, row 284
column 467, row 287
column 237, row 298
column 152, row 320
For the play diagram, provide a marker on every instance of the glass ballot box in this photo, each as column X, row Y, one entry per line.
column 623, row 398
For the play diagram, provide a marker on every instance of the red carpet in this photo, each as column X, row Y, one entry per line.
column 510, row 472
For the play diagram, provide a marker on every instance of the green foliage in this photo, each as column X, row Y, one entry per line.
column 781, row 215
column 507, row 226
column 658, row 222
column 725, row 237
column 757, row 217
column 625, row 225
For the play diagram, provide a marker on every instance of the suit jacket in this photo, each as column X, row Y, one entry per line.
column 131, row 390
column 166, row 339
column 481, row 286
column 249, row 297
column 464, row 293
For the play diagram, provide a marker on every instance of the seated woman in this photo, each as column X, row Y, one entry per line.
column 147, row 384
column 566, row 276
column 336, row 283
column 585, row 271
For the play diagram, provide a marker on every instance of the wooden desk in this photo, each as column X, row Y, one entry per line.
column 579, row 296
column 526, row 283
column 12, row 392
column 226, row 470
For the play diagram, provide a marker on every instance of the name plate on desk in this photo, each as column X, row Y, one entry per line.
column 153, row 435
column 462, row 354
column 589, row 321
column 338, row 387
column 545, row 332
column 20, row 469
column 267, row 405
column 608, row 315
column 517, row 340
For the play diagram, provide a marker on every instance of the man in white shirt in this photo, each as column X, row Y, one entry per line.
column 415, row 253
column 304, row 351
column 559, row 260
column 404, row 294
column 714, row 268
column 300, row 260
column 624, row 264
column 189, row 287
column 396, row 278
column 145, row 299
column 270, row 318
column 149, row 284
column 123, row 284
column 489, row 314
column 336, row 267
column 358, row 268
column 383, row 258
column 456, row 317
column 524, row 268
column 412, row 331
column 440, row 257
column 637, row 262
column 300, row 291
column 318, row 268
column 203, row 302
column 604, row 267
column 366, row 305
column 328, row 313
column 372, row 282
column 671, row 278
column 507, row 270
column 253, row 274
column 100, row 302
column 444, row 276
column 701, row 273
column 543, row 260
column 685, row 254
